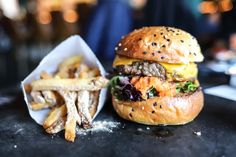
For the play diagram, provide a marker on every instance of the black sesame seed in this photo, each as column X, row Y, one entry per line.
column 132, row 109
column 140, row 39
column 194, row 54
column 153, row 54
column 168, row 40
column 161, row 33
column 163, row 46
column 155, row 104
column 160, row 106
column 153, row 111
column 154, row 44
column 154, row 35
column 159, row 51
column 130, row 115
column 162, row 57
column 144, row 52
column 182, row 41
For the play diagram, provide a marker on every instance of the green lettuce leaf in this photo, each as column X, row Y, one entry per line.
column 186, row 87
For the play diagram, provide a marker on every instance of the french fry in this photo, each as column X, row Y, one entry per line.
column 90, row 84
column 68, row 67
column 38, row 106
column 85, row 72
column 70, row 61
column 49, row 96
column 93, row 102
column 63, row 74
column 37, row 97
column 81, row 71
column 59, row 98
column 54, row 115
column 72, row 115
column 57, row 77
column 28, row 88
column 94, row 72
column 83, row 109
column 45, row 75
column 57, row 126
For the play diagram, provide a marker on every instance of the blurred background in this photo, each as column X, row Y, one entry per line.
column 29, row 29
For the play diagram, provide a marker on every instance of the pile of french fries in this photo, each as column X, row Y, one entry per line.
column 72, row 94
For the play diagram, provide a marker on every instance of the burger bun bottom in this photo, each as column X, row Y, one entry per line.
column 161, row 110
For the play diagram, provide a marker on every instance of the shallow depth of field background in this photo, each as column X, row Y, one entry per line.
column 29, row 29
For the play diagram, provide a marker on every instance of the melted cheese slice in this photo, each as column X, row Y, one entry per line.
column 121, row 60
column 177, row 71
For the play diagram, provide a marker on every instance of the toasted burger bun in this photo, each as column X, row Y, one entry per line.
column 161, row 44
column 161, row 110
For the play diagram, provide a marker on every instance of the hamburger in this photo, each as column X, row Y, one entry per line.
column 155, row 77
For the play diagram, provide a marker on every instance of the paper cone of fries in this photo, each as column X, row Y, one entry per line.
column 68, row 88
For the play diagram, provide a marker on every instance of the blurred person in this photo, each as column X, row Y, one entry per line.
column 110, row 20
column 83, row 11
column 171, row 13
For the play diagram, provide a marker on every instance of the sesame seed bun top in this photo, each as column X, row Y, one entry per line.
column 160, row 44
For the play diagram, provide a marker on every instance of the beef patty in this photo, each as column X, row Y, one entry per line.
column 142, row 68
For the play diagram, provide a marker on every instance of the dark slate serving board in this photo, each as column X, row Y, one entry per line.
column 21, row 136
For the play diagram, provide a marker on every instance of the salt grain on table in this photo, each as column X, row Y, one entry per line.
column 99, row 126
column 198, row 133
column 140, row 129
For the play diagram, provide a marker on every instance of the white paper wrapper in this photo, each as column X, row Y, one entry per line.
column 74, row 45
